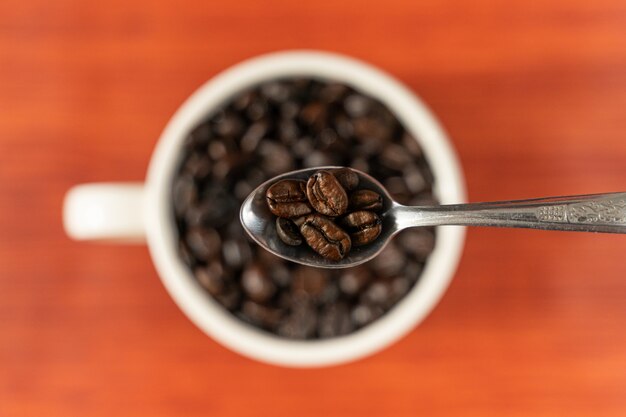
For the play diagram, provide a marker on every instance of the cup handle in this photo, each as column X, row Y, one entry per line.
column 106, row 212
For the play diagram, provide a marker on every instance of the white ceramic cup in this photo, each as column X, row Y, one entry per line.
column 134, row 212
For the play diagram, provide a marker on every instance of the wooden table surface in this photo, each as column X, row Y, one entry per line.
column 533, row 95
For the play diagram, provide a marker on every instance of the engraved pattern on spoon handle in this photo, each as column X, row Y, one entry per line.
column 584, row 213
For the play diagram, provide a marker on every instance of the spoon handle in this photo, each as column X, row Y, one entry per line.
column 584, row 213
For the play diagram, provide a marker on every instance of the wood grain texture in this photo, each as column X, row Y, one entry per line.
column 533, row 95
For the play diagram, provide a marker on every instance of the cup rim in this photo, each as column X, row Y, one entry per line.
column 224, row 327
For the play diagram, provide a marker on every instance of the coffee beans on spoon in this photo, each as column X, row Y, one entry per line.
column 326, row 193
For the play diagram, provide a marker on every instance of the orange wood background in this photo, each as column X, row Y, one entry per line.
column 533, row 95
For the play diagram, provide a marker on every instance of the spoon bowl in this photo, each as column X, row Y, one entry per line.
column 587, row 213
column 260, row 224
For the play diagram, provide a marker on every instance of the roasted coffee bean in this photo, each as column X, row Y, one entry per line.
column 261, row 315
column 353, row 280
column 325, row 237
column 418, row 243
column 365, row 200
column 378, row 293
column 372, row 130
column 228, row 124
column 390, row 261
column 236, row 253
column 364, row 314
column 313, row 114
column 253, row 135
column 332, row 93
column 363, row 227
column 229, row 297
column 288, row 232
column 185, row 254
column 357, row 105
column 301, row 323
column 335, row 320
column 198, row 166
column 199, row 138
column 326, row 194
column 288, row 198
column 257, row 284
column 204, row 243
column 309, row 282
column 318, row 158
column 211, row 277
column 184, row 194
column 276, row 127
column 348, row 179
column 278, row 272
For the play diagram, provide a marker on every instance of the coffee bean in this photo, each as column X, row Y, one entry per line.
column 261, row 315
column 253, row 135
column 217, row 150
column 309, row 282
column 313, row 114
column 198, row 138
column 419, row 242
column 236, row 253
column 378, row 293
column 288, row 198
column 333, row 92
column 288, row 232
column 365, row 200
column 209, row 214
column 361, row 164
column 211, row 277
column 301, row 323
column 395, row 157
column 278, row 272
column 326, row 195
column 203, row 243
column 343, row 126
column 289, row 110
column 326, row 138
column 414, row 180
column 228, row 124
column 276, row 91
column 242, row 189
column 185, row 254
column 276, row 158
column 335, row 321
column 302, row 147
column 184, row 194
column 325, row 237
column 363, row 227
column 257, row 109
column 348, row 179
column 397, row 188
column 390, row 261
column 257, row 284
column 410, row 144
column 357, row 105
column 400, row 286
column 372, row 130
column 364, row 314
column 288, row 131
column 198, row 166
column 318, row 158
column 354, row 279
column 229, row 297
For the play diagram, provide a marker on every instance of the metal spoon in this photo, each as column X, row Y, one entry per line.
column 585, row 213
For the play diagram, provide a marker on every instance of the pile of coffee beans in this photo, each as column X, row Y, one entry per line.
column 271, row 129
column 311, row 209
